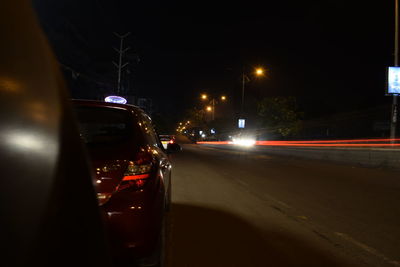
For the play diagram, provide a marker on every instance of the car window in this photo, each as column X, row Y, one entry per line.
column 105, row 125
column 149, row 131
column 158, row 139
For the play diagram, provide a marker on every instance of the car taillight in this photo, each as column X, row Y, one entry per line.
column 171, row 141
column 137, row 173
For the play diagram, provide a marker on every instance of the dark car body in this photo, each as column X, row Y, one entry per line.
column 132, row 174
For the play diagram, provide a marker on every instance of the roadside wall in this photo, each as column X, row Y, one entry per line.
column 368, row 157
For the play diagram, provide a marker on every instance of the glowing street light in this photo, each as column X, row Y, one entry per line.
column 212, row 103
column 259, row 71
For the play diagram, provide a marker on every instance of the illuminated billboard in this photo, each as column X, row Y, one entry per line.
column 241, row 123
column 115, row 99
column 393, row 80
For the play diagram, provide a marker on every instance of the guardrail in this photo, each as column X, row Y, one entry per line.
column 384, row 153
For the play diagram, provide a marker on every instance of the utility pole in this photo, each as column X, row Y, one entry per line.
column 245, row 79
column 396, row 64
column 120, row 51
column 243, row 83
column 213, row 109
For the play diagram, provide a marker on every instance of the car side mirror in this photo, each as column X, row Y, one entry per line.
column 171, row 148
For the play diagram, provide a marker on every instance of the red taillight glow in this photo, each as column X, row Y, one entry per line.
column 136, row 177
column 137, row 172
column 134, row 182
column 171, row 141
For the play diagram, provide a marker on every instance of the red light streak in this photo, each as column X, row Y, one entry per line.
column 264, row 143
column 214, row 142
column 335, row 141
column 320, row 143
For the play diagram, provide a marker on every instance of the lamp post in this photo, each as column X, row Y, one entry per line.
column 258, row 72
column 393, row 123
column 213, row 102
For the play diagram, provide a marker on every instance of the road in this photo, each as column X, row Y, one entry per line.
column 233, row 208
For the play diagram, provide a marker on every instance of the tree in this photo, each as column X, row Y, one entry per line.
column 280, row 114
column 196, row 117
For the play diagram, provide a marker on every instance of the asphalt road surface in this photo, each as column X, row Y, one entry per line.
column 235, row 208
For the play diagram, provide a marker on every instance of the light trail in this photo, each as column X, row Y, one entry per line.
column 326, row 145
column 334, row 141
column 319, row 143
column 215, row 142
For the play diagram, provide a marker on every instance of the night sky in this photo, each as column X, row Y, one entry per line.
column 331, row 55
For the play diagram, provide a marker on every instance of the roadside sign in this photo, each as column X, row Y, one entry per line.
column 241, row 123
column 393, row 81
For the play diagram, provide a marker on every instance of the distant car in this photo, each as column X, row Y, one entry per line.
column 167, row 139
column 132, row 177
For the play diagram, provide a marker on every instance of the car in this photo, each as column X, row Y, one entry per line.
column 132, row 177
column 167, row 139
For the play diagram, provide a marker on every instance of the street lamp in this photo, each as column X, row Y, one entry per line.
column 258, row 72
column 212, row 102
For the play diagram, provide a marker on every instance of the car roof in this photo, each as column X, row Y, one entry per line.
column 97, row 103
